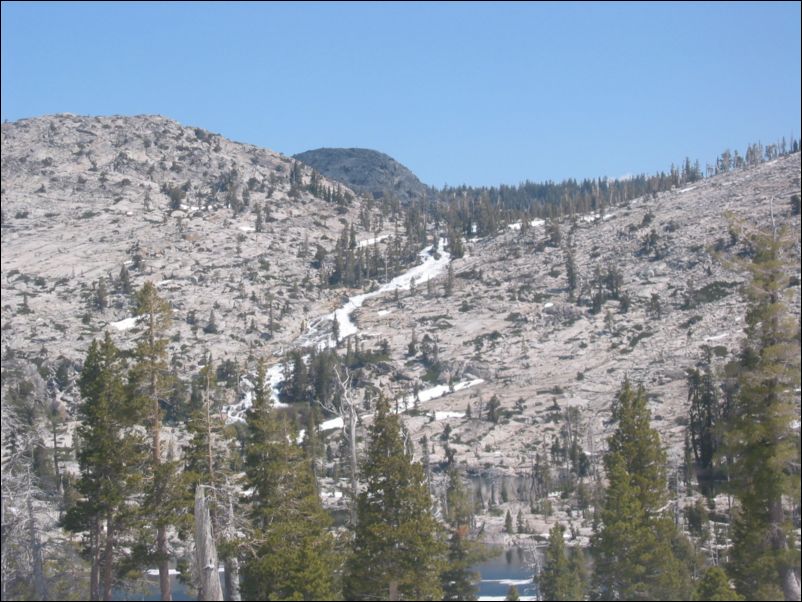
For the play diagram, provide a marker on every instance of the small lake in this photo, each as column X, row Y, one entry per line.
column 497, row 575
column 512, row 567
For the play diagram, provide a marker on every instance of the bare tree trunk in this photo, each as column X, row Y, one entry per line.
column 39, row 583
column 205, row 551
column 59, row 483
column 790, row 581
column 231, row 562
column 232, row 579
column 94, row 575
column 161, row 530
column 108, row 558
column 352, row 441
column 208, row 404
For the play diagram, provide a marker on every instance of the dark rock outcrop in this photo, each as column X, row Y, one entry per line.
column 366, row 171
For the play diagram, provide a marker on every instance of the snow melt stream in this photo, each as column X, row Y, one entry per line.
column 320, row 334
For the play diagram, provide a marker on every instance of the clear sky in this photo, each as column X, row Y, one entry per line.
column 477, row 93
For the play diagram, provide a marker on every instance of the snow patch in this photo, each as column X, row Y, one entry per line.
column 534, row 223
column 126, row 324
column 439, row 391
column 592, row 217
column 371, row 241
column 445, row 415
column 429, row 268
column 155, row 572
column 334, row 423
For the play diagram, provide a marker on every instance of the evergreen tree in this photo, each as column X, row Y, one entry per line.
column 111, row 457
column 260, row 223
column 455, row 244
column 508, row 528
column 512, row 594
column 124, row 281
column 520, row 526
column 560, row 578
column 570, row 272
column 714, row 585
column 760, row 443
column 292, row 554
column 633, row 553
column 202, row 427
column 458, row 581
column 449, row 280
column 704, row 415
column 101, row 295
column 149, row 381
column 396, row 552
column 211, row 326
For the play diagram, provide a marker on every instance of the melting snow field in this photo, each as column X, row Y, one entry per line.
column 439, row 391
column 126, row 324
column 371, row 241
column 534, row 223
column 592, row 217
column 319, row 333
column 424, row 395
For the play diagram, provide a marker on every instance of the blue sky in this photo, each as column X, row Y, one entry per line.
column 459, row 92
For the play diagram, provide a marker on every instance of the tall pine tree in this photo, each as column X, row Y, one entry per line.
column 458, row 580
column 291, row 553
column 111, row 458
column 561, row 577
column 149, row 384
column 760, row 442
column 397, row 552
column 632, row 550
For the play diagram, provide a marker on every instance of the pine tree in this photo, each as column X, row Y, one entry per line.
column 292, row 551
column 520, row 526
column 714, row 585
column 124, row 281
column 760, row 443
column 205, row 467
column 458, row 581
column 633, row 554
column 149, row 382
column 260, row 224
column 560, row 578
column 211, row 325
column 101, row 295
column 704, row 415
column 449, row 280
column 396, row 552
column 203, row 427
column 570, row 272
column 110, row 456
column 508, row 528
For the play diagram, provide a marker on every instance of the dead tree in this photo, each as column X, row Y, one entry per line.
column 347, row 410
column 205, row 551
